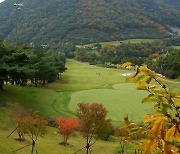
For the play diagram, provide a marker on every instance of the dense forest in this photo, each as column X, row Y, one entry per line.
column 84, row 21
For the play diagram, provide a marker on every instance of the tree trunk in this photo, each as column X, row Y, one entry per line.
column 21, row 136
column 58, row 77
column 122, row 147
column 43, row 82
column 87, row 145
column 35, row 82
column 87, row 149
column 33, row 146
column 32, row 149
column 1, row 85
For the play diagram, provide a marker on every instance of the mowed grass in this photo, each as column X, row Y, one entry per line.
column 80, row 76
column 49, row 144
column 176, row 47
column 120, row 101
column 127, row 41
column 116, row 43
column 53, row 101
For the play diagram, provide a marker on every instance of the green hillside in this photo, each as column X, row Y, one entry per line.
column 86, row 21
column 80, row 83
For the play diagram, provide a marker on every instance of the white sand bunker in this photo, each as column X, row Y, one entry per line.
column 126, row 74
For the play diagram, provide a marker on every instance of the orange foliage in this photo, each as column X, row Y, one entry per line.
column 67, row 126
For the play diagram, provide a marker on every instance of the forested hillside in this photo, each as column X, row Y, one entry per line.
column 85, row 21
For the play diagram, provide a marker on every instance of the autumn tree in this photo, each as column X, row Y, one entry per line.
column 128, row 132
column 66, row 128
column 91, row 122
column 164, row 124
column 20, row 128
column 126, row 64
column 34, row 126
column 123, row 136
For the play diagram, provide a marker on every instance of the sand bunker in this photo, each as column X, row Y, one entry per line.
column 126, row 74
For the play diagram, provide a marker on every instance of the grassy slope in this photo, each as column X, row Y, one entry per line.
column 49, row 144
column 120, row 100
column 53, row 101
column 176, row 47
column 81, row 81
column 125, row 41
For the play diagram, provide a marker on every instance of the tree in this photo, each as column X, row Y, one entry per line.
column 91, row 122
column 128, row 132
column 126, row 64
column 169, row 63
column 66, row 128
column 3, row 65
column 18, row 63
column 60, row 62
column 123, row 136
column 68, row 49
column 98, row 46
column 164, row 124
column 107, row 130
column 32, row 125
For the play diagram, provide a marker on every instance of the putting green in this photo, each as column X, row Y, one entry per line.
column 120, row 101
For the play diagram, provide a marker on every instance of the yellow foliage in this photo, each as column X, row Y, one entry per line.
column 153, row 87
column 150, row 146
column 170, row 133
column 130, row 79
column 177, row 102
column 150, row 118
column 144, row 69
column 148, row 79
column 140, row 144
column 169, row 149
column 160, row 75
column 126, row 64
column 177, row 136
column 167, row 112
column 141, row 87
column 159, row 80
column 157, row 126
column 175, row 95
column 149, row 99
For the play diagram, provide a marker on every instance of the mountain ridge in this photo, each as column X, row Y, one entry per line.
column 86, row 21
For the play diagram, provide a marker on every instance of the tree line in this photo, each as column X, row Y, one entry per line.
column 157, row 55
column 23, row 65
